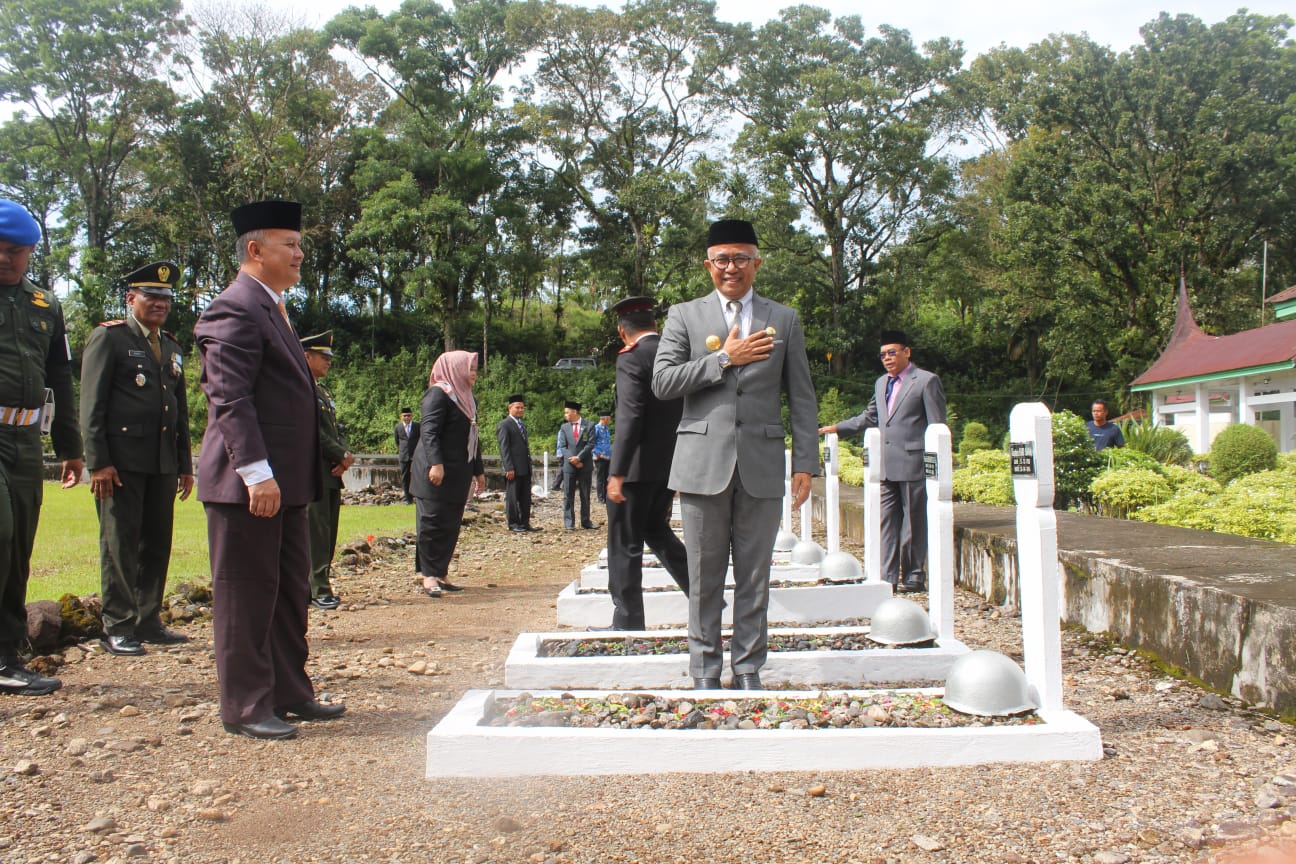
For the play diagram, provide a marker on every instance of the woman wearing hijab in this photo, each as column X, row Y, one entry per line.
column 447, row 463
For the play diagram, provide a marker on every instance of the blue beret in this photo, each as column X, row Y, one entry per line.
column 17, row 225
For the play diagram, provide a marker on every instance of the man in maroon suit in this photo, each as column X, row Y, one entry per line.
column 258, row 469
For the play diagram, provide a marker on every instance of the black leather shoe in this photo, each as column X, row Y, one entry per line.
column 123, row 646
column 17, row 680
column 311, row 710
column 911, row 588
column 326, row 601
column 589, row 527
column 706, row 684
column 612, row 629
column 533, row 528
column 163, row 636
column 518, row 530
column 447, row 586
column 747, row 681
column 271, row 729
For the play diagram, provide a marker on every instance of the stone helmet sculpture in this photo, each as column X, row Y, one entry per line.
column 988, row 684
column 900, row 621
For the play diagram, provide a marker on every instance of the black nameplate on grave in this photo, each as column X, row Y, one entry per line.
column 1023, row 458
column 864, row 457
column 929, row 464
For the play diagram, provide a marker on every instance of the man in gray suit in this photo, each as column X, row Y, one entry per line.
column 731, row 355
column 910, row 400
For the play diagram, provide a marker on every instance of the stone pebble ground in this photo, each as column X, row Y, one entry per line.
column 129, row 764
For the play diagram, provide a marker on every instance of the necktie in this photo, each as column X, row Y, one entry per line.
column 155, row 345
column 283, row 310
column 891, row 382
column 735, row 312
column 521, row 429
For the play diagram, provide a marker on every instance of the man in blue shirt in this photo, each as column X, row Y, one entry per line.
column 602, row 455
column 1102, row 433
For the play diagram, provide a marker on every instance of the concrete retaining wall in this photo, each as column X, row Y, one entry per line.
column 1219, row 608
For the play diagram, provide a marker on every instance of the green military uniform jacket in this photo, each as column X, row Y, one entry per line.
column 134, row 412
column 333, row 441
column 34, row 355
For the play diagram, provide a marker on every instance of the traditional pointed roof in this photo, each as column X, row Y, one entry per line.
column 1283, row 295
column 1192, row 355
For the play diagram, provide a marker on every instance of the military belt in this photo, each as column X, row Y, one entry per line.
column 19, row 416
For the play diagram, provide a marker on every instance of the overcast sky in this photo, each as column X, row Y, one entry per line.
column 980, row 25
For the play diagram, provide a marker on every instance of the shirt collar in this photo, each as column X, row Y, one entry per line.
column 745, row 300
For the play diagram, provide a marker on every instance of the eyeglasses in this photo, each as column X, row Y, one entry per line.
column 890, row 352
column 723, row 261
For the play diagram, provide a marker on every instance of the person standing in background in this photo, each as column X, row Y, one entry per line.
column 135, row 424
column 515, row 462
column 576, row 447
column 325, row 512
column 447, row 466
column 406, row 440
column 602, row 455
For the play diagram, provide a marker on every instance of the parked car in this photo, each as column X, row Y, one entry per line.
column 567, row 363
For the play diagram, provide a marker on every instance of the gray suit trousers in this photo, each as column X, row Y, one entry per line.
column 904, row 531
column 713, row 524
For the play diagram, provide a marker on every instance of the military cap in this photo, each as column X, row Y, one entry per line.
column 631, row 305
column 516, row 397
column 893, row 337
column 274, row 213
column 17, row 225
column 575, row 406
column 158, row 279
column 731, row 231
column 321, row 342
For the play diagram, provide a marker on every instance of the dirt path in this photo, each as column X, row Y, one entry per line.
column 129, row 762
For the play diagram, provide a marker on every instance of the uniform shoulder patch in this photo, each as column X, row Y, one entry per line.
column 112, row 323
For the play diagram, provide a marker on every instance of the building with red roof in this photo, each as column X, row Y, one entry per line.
column 1202, row 383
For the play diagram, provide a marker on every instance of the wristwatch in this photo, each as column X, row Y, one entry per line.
column 723, row 357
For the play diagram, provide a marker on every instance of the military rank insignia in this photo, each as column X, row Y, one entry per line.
column 38, row 299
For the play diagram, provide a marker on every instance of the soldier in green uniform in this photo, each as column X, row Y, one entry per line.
column 135, row 422
column 34, row 356
column 323, row 513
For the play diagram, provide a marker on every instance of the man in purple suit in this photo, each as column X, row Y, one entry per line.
column 259, row 468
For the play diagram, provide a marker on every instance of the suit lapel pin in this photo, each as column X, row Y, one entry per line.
column 713, row 342
column 140, row 380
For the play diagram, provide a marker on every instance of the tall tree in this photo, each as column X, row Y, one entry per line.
column 848, row 124
column 623, row 105
column 88, row 70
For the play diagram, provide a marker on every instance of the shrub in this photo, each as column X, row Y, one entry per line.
column 976, row 437
column 1122, row 457
column 1187, row 480
column 1126, row 490
column 986, row 479
column 1188, row 509
column 1164, row 444
column 1075, row 463
column 1240, row 450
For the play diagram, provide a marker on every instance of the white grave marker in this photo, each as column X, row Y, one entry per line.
column 832, row 494
column 938, row 464
column 873, row 505
column 1030, row 432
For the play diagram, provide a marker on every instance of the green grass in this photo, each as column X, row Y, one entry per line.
column 66, row 558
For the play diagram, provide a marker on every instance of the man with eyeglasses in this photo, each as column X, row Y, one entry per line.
column 259, row 468
column 135, row 422
column 731, row 356
column 905, row 401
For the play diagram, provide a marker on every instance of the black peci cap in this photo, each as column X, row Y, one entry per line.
column 731, row 231
column 274, row 213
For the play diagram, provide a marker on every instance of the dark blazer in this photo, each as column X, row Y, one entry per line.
column 921, row 402
column 514, row 451
column 405, row 446
column 260, row 399
column 443, row 440
column 134, row 411
column 582, row 446
column 645, row 425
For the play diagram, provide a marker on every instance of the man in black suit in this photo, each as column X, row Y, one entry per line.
column 407, row 434
column 576, row 446
column 515, row 462
column 639, row 501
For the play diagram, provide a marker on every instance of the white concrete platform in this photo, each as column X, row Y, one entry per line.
column 650, row 560
column 808, row 605
column 459, row 747
column 595, row 576
column 525, row 669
